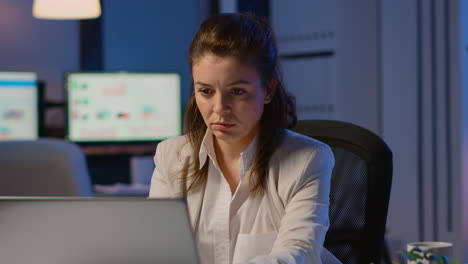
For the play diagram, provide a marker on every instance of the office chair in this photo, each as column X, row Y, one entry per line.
column 360, row 190
column 44, row 167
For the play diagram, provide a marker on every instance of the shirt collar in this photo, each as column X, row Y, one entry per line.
column 247, row 156
column 207, row 150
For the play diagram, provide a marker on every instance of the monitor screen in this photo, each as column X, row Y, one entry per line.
column 19, row 110
column 122, row 106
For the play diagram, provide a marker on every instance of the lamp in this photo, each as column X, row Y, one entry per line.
column 66, row 9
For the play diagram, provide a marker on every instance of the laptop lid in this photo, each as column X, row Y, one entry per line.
column 95, row 230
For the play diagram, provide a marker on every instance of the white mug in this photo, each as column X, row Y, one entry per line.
column 435, row 247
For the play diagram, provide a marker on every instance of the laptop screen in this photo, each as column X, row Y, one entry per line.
column 95, row 230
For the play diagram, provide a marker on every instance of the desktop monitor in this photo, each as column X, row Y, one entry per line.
column 123, row 106
column 19, row 106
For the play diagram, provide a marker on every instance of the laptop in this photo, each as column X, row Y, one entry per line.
column 95, row 231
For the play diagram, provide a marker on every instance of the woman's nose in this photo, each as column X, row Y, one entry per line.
column 221, row 104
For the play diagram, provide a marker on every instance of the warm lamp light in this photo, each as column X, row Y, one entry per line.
column 66, row 9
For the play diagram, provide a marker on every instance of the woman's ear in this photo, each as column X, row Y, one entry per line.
column 270, row 91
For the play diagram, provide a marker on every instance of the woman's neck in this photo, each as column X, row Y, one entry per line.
column 230, row 150
column 227, row 151
column 227, row 156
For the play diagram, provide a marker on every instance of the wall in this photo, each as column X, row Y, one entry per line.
column 421, row 119
column 463, row 49
column 330, row 58
column 400, row 114
column 358, row 87
column 227, row 6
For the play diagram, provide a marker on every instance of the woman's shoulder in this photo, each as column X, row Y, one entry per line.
column 298, row 160
column 174, row 146
column 297, row 143
column 297, row 150
column 174, row 141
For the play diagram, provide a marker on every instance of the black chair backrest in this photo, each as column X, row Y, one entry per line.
column 360, row 189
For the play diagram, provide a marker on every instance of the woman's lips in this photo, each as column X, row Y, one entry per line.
column 221, row 126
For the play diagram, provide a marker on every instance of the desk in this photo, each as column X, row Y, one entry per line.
column 116, row 149
column 119, row 189
column 110, row 163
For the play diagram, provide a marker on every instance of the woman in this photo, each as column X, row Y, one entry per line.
column 256, row 192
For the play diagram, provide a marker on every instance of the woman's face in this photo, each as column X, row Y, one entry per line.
column 230, row 97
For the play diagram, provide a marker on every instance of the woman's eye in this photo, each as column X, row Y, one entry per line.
column 205, row 91
column 238, row 91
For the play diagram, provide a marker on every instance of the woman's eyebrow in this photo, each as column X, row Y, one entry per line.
column 229, row 84
column 202, row 84
column 239, row 82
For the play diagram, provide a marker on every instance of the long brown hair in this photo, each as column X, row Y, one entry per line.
column 248, row 38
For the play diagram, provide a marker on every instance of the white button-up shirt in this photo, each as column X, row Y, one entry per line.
column 225, row 215
column 287, row 224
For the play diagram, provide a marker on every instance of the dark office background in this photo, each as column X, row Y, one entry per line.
column 396, row 67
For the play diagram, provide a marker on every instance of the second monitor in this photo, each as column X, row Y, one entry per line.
column 19, row 106
column 122, row 106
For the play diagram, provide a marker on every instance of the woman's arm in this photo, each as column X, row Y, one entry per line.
column 161, row 184
column 305, row 220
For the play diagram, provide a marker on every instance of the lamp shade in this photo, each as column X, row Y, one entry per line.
column 66, row 9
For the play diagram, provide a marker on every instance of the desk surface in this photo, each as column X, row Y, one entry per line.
column 116, row 149
column 120, row 189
